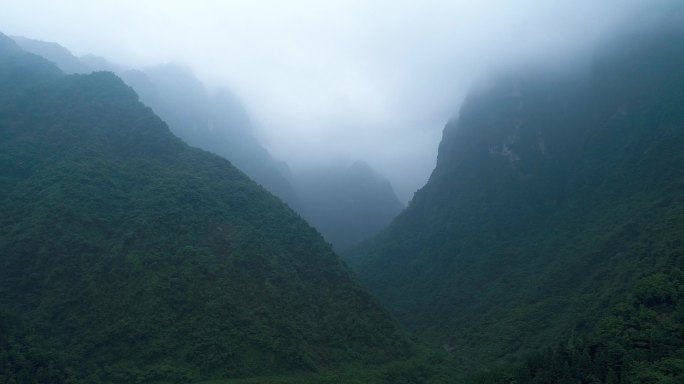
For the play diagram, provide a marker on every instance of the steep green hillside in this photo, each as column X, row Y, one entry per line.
column 641, row 340
column 216, row 122
column 346, row 205
column 552, row 195
column 133, row 257
column 24, row 357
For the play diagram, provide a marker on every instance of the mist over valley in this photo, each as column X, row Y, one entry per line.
column 342, row 192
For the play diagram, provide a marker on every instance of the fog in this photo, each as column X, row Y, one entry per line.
column 337, row 80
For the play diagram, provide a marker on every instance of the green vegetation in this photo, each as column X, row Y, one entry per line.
column 546, row 248
column 214, row 122
column 129, row 257
column 553, row 196
column 640, row 341
column 346, row 204
column 424, row 366
column 24, row 357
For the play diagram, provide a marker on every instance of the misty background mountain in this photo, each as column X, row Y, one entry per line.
column 347, row 204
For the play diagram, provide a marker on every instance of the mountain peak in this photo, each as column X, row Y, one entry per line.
column 8, row 46
column 54, row 52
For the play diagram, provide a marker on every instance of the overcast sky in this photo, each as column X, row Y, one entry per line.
column 327, row 80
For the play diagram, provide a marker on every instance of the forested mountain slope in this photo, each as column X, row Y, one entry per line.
column 553, row 195
column 214, row 121
column 128, row 256
column 346, row 204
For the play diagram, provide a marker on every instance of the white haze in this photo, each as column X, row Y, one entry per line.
column 328, row 80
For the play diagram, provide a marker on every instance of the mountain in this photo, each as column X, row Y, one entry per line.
column 556, row 197
column 347, row 204
column 216, row 122
column 130, row 257
column 54, row 52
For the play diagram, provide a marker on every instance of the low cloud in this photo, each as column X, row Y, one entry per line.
column 324, row 80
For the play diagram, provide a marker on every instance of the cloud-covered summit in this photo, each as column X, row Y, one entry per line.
column 374, row 81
